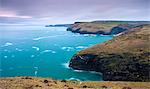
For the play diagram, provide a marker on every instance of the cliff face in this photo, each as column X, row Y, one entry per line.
column 102, row 27
column 124, row 58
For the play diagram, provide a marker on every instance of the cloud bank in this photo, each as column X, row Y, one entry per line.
column 69, row 11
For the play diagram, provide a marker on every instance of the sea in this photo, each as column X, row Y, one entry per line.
column 44, row 52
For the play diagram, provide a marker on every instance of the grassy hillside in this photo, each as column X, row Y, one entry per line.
column 136, row 41
column 124, row 58
column 103, row 27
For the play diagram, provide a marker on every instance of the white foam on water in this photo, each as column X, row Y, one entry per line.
column 86, row 35
column 39, row 38
column 53, row 52
column 78, row 70
column 5, row 56
column 7, row 44
column 81, row 47
column 93, row 72
column 47, row 51
column 76, row 35
column 72, row 78
column 66, row 65
column 93, row 35
column 67, row 48
column 37, row 49
column 32, row 56
column 36, row 71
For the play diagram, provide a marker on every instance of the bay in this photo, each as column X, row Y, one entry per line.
column 44, row 52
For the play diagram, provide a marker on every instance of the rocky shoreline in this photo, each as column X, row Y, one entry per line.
column 124, row 58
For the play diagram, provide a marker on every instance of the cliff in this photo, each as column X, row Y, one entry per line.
column 104, row 27
column 124, row 58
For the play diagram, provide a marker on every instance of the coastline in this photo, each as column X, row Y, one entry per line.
column 124, row 58
column 47, row 83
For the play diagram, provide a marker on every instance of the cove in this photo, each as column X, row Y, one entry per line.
column 44, row 52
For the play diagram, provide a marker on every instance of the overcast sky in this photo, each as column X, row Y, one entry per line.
column 69, row 11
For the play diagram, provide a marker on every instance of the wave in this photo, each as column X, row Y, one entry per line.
column 36, row 71
column 93, row 72
column 5, row 56
column 39, row 38
column 67, row 48
column 36, row 48
column 36, row 68
column 72, row 78
column 66, row 65
column 47, row 51
column 7, row 44
column 76, row 35
column 32, row 56
column 81, row 47
column 78, row 70
column 86, row 35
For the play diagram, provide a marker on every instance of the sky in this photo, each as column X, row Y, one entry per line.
column 36, row 12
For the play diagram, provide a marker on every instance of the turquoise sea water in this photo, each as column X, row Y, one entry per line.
column 43, row 52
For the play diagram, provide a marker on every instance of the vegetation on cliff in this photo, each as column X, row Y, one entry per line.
column 104, row 27
column 124, row 58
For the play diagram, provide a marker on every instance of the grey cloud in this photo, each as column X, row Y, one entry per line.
column 72, row 10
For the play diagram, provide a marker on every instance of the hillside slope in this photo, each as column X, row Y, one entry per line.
column 124, row 58
column 104, row 27
column 47, row 83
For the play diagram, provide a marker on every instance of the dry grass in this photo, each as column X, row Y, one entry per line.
column 46, row 83
column 94, row 27
column 133, row 42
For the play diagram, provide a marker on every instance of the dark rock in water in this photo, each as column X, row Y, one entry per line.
column 124, row 58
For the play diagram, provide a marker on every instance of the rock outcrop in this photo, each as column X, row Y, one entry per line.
column 103, row 27
column 124, row 58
